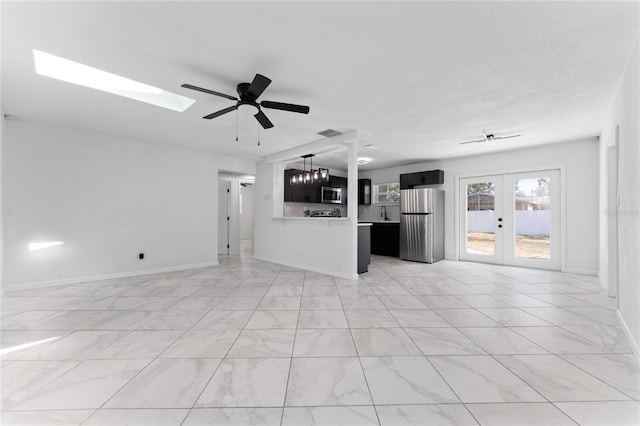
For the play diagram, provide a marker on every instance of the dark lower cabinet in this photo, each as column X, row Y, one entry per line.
column 364, row 248
column 385, row 239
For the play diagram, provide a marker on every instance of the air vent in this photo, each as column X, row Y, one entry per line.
column 329, row 133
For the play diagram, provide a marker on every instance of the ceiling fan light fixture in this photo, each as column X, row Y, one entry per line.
column 248, row 94
column 247, row 108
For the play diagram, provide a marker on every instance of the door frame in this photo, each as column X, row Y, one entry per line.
column 224, row 231
column 457, row 207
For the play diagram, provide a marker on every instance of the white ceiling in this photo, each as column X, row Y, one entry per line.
column 416, row 77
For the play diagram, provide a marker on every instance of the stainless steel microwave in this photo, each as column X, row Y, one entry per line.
column 331, row 195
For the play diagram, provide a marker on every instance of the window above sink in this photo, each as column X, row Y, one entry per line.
column 386, row 193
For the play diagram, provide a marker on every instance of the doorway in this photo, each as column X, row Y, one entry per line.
column 511, row 219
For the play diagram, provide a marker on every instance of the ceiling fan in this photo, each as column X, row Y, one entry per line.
column 248, row 95
column 490, row 137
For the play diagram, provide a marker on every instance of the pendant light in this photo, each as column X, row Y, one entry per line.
column 308, row 175
column 305, row 176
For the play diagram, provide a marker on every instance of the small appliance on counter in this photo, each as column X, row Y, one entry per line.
column 321, row 213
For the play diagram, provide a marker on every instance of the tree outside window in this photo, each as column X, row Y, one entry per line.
column 386, row 193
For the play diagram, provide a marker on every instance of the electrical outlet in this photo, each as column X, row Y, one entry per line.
column 141, row 256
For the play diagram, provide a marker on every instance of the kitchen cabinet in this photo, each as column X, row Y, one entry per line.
column 311, row 192
column 430, row 177
column 301, row 193
column 385, row 239
column 364, row 192
column 364, row 247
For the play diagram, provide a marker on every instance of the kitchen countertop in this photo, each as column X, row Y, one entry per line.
column 379, row 221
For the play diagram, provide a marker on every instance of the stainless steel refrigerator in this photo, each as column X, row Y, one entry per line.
column 422, row 224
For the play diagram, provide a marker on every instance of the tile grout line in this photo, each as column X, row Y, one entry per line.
column 150, row 362
column 353, row 340
column 227, row 352
column 293, row 348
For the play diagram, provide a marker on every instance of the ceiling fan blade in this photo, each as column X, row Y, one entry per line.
column 259, row 83
column 302, row 109
column 476, row 141
column 211, row 92
column 221, row 112
column 264, row 121
column 506, row 137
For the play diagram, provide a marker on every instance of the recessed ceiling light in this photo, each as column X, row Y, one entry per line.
column 363, row 160
column 371, row 146
column 83, row 75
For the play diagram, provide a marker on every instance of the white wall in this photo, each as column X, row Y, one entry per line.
column 2, row 138
column 580, row 160
column 246, row 216
column 374, row 213
column 234, row 217
column 108, row 198
column 322, row 245
column 624, row 114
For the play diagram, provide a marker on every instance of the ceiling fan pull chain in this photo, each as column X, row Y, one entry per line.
column 258, row 126
column 236, row 125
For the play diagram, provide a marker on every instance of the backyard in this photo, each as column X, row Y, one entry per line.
column 527, row 246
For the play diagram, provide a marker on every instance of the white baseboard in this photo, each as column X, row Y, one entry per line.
column 581, row 271
column 308, row 268
column 76, row 280
column 632, row 341
column 604, row 283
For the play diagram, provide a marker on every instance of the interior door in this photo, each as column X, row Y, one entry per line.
column 224, row 188
column 511, row 219
column 480, row 219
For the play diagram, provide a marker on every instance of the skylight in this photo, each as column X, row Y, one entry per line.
column 72, row 72
column 44, row 245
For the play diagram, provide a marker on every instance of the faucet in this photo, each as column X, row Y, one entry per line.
column 383, row 212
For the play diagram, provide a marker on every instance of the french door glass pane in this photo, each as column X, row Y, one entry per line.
column 532, row 218
column 481, row 236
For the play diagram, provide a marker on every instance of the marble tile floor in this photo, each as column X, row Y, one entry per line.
column 254, row 343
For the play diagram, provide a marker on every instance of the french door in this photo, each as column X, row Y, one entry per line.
column 511, row 219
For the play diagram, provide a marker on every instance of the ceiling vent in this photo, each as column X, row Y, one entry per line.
column 329, row 133
column 371, row 146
